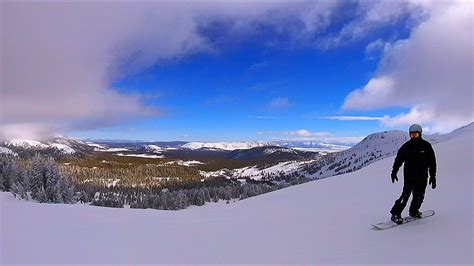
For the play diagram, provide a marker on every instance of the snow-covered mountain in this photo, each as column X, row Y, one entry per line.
column 154, row 148
column 321, row 222
column 224, row 145
column 269, row 152
column 242, row 145
column 311, row 146
column 371, row 149
column 58, row 145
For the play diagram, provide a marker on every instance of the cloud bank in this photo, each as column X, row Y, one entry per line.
column 431, row 73
column 59, row 59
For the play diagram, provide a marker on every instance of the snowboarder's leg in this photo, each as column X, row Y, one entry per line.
column 418, row 196
column 401, row 202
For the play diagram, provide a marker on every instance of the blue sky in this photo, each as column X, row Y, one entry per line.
column 331, row 71
column 258, row 87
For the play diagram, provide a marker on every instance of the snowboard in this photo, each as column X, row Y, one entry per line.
column 390, row 224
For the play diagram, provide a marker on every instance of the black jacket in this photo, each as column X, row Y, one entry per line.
column 419, row 158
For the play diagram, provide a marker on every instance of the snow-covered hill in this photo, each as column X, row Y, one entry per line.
column 311, row 146
column 242, row 145
column 60, row 144
column 224, row 145
column 374, row 147
column 324, row 221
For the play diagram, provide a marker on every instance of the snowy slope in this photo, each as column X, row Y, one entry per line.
column 62, row 148
column 154, row 148
column 324, row 221
column 7, row 151
column 311, row 146
column 59, row 143
column 223, row 145
column 26, row 143
column 372, row 148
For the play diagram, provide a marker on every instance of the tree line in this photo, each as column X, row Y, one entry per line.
column 42, row 180
column 38, row 179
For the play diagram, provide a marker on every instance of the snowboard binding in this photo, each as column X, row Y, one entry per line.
column 415, row 214
column 396, row 219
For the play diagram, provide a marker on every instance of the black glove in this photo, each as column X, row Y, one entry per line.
column 433, row 182
column 394, row 177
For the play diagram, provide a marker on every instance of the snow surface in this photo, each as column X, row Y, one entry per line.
column 269, row 151
column 322, row 150
column 185, row 163
column 255, row 173
column 154, row 148
column 99, row 147
column 62, row 148
column 26, row 143
column 34, row 144
column 224, row 145
column 311, row 146
column 324, row 221
column 7, row 151
column 140, row 155
column 112, row 149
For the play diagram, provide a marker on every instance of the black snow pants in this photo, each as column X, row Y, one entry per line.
column 417, row 186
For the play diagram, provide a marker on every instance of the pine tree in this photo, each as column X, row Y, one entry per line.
column 37, row 180
column 181, row 200
column 18, row 190
column 200, row 197
column 65, row 190
column 7, row 173
column 52, row 177
column 215, row 197
column 2, row 170
column 19, row 184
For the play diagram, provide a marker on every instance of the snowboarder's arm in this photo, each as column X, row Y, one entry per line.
column 399, row 159
column 431, row 162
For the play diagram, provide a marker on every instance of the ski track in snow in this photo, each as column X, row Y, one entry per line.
column 324, row 221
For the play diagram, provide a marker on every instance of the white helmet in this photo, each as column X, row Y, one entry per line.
column 415, row 128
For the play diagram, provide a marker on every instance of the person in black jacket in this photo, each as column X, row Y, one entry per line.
column 419, row 159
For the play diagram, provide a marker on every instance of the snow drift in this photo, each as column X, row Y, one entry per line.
column 324, row 221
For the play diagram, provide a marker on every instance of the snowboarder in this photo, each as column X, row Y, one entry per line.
column 419, row 159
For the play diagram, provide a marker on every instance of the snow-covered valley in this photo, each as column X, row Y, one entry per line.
column 324, row 221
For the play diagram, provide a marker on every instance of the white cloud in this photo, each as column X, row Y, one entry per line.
column 377, row 93
column 314, row 136
column 59, row 59
column 258, row 65
column 261, row 117
column 373, row 15
column 355, row 118
column 279, row 103
column 431, row 72
column 373, row 49
column 418, row 114
column 306, row 133
column 374, row 46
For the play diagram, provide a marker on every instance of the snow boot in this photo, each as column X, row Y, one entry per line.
column 396, row 219
column 415, row 214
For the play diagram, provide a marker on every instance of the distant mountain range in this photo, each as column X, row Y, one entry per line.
column 371, row 149
column 65, row 146
column 255, row 160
